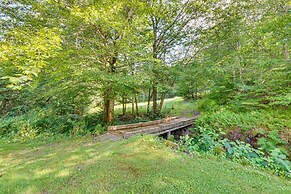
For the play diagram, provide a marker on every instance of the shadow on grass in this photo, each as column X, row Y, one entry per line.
column 137, row 165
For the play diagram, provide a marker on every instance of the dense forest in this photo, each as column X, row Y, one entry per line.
column 76, row 67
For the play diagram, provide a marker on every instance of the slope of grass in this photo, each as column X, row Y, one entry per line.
column 137, row 165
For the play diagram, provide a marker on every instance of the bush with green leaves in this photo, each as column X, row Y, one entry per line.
column 48, row 120
column 206, row 104
column 272, row 141
column 208, row 143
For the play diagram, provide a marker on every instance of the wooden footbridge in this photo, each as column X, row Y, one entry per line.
column 159, row 127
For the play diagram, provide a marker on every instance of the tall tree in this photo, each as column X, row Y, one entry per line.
column 109, row 31
column 170, row 23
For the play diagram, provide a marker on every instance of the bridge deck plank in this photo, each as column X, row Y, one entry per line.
column 156, row 128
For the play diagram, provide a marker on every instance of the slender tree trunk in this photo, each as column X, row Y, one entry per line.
column 162, row 101
column 149, row 100
column 155, row 56
column 136, row 106
column 155, row 98
column 132, row 105
column 105, row 107
column 122, row 101
column 123, row 106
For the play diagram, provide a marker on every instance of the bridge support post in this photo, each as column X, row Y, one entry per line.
column 168, row 134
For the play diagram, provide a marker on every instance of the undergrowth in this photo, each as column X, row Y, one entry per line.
column 47, row 122
column 257, row 137
column 267, row 119
column 209, row 144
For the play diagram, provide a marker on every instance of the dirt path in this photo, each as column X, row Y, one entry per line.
column 108, row 137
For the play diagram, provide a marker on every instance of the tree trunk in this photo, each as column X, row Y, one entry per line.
column 132, row 105
column 162, row 101
column 155, row 56
column 123, row 106
column 149, row 100
column 136, row 106
column 105, row 108
column 108, row 109
column 155, row 98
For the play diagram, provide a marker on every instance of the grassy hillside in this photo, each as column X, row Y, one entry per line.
column 137, row 165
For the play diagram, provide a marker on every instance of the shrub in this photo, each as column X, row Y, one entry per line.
column 47, row 120
column 206, row 104
column 238, row 151
column 271, row 142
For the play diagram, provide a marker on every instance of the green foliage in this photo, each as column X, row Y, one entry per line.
column 48, row 120
column 247, row 59
column 238, row 151
column 23, row 53
column 192, row 80
column 271, row 142
column 283, row 101
column 266, row 119
column 67, row 56
column 257, row 137
column 206, row 104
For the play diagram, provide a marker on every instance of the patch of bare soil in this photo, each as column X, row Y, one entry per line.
column 108, row 137
column 250, row 136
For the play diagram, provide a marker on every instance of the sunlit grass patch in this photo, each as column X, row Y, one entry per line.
column 137, row 165
column 172, row 107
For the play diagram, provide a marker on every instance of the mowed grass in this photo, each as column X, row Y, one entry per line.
column 138, row 165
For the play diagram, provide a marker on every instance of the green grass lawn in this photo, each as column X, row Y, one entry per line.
column 172, row 107
column 137, row 165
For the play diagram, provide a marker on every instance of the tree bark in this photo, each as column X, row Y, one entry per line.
column 155, row 98
column 162, row 101
column 108, row 96
column 123, row 106
column 149, row 100
column 155, row 56
column 108, row 113
column 136, row 106
column 132, row 105
column 105, row 107
column 110, row 110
